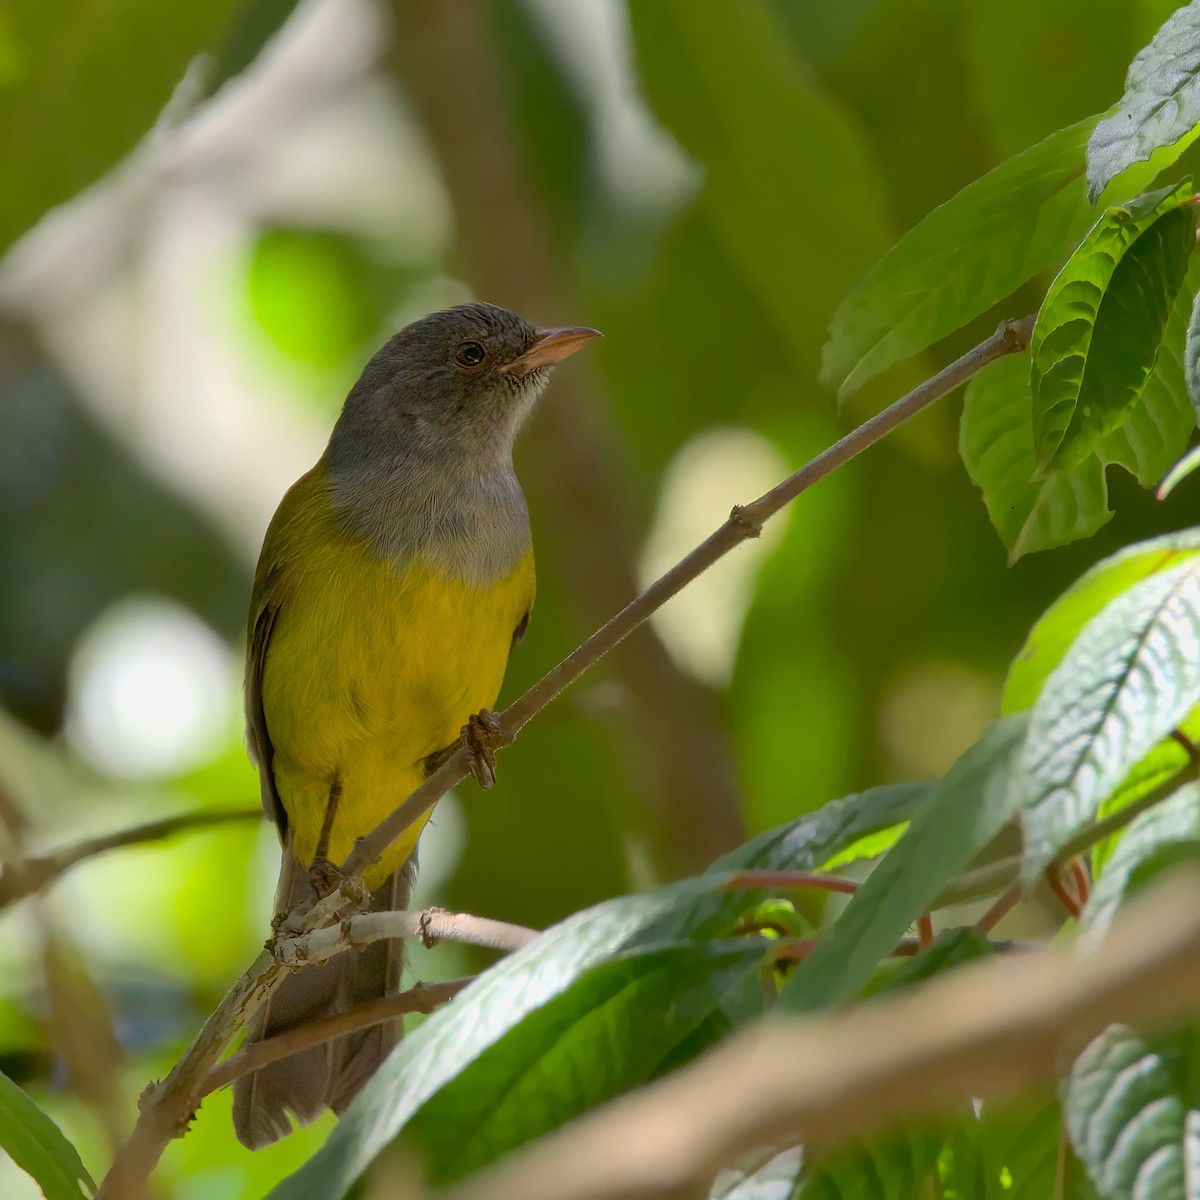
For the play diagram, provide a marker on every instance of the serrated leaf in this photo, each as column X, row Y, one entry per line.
column 1164, row 419
column 1129, row 678
column 1062, row 622
column 38, row 1146
column 1163, row 835
column 964, row 257
column 1100, row 325
column 1131, row 1106
column 1161, row 105
column 967, row 809
column 996, row 443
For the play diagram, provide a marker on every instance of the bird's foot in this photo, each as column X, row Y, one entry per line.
column 481, row 737
column 324, row 877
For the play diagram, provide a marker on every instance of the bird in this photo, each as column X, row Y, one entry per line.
column 394, row 580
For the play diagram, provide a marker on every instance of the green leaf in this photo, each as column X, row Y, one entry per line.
column 964, row 257
column 1161, row 836
column 1164, row 419
column 813, row 840
column 1062, row 622
column 967, row 809
column 545, row 974
column 1100, row 325
column 996, row 443
column 610, row 1032
column 38, row 1147
column 1129, row 678
column 1131, row 1106
column 66, row 116
column 1161, row 105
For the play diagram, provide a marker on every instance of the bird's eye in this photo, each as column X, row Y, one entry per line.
column 470, row 354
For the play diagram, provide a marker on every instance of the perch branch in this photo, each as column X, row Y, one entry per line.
column 431, row 926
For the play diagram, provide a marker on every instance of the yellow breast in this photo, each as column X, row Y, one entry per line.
column 371, row 666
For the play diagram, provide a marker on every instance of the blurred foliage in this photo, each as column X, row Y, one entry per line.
column 783, row 147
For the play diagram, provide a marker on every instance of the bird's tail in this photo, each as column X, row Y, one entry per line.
column 331, row 1074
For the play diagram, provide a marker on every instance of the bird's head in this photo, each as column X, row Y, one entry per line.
column 457, row 383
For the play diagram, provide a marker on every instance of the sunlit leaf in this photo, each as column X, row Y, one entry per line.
column 1062, row 622
column 1100, row 325
column 1129, row 678
column 1161, row 105
column 38, row 1147
column 1133, row 1115
column 967, row 809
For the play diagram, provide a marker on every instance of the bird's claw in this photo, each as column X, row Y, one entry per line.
column 482, row 736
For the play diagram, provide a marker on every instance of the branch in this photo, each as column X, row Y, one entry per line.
column 984, row 1032
column 420, row 998
column 28, row 875
column 166, row 1108
column 745, row 521
column 431, row 926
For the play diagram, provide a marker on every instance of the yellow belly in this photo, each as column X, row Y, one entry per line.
column 371, row 667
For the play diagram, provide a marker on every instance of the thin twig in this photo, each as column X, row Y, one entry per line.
column 985, row 1031
column 431, row 926
column 1004, row 904
column 783, row 881
column 745, row 521
column 28, row 875
column 167, row 1108
column 420, row 998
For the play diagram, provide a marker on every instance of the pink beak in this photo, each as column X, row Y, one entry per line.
column 551, row 346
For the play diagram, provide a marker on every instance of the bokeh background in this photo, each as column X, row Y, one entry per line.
column 216, row 211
